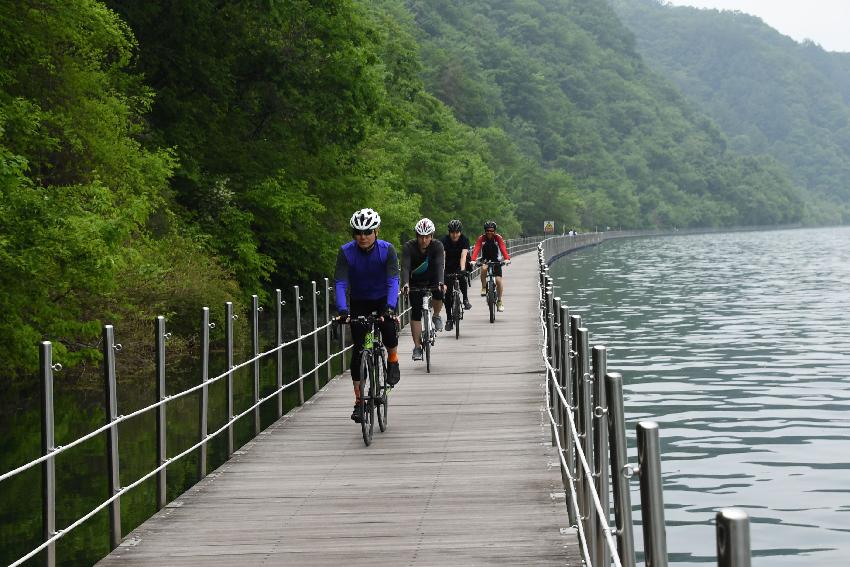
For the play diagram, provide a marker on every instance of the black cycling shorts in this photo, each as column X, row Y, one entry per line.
column 416, row 302
column 497, row 269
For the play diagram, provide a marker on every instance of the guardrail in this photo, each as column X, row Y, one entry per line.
column 587, row 419
column 321, row 321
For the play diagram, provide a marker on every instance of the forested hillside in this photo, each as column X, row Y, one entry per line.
column 769, row 94
column 156, row 157
column 562, row 78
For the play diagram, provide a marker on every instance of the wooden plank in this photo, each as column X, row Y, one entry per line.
column 465, row 474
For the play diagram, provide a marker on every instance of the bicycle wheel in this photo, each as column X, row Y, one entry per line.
column 457, row 313
column 426, row 340
column 367, row 400
column 382, row 398
column 491, row 302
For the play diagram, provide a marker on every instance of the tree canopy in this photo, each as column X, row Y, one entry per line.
column 160, row 156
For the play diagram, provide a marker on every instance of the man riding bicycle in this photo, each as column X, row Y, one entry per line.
column 422, row 265
column 490, row 246
column 368, row 268
column 456, row 245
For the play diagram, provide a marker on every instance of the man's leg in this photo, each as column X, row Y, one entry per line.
column 358, row 339
column 499, row 288
column 449, row 300
column 483, row 280
column 389, row 335
column 416, row 332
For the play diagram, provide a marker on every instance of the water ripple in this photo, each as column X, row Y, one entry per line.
column 739, row 346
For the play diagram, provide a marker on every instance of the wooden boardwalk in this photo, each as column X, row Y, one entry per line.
column 464, row 475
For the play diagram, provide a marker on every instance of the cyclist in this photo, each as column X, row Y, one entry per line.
column 456, row 245
column 422, row 265
column 491, row 246
column 368, row 268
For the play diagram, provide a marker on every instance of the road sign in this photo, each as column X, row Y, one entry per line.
column 548, row 227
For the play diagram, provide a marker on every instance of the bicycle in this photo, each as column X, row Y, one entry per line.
column 457, row 300
column 429, row 333
column 492, row 297
column 374, row 390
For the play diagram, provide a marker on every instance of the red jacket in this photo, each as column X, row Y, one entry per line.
column 499, row 240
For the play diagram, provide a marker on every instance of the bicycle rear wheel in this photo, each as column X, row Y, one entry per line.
column 367, row 399
column 382, row 399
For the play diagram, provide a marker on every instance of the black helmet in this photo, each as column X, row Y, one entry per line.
column 455, row 226
column 490, row 224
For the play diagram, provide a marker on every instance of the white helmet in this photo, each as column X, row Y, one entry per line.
column 425, row 227
column 365, row 219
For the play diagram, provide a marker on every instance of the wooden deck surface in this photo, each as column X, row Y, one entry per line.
column 464, row 475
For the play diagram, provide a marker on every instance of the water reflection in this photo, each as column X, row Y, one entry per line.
column 739, row 346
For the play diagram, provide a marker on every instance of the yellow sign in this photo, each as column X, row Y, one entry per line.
column 548, row 226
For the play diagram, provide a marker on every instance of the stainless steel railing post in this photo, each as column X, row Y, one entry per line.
column 585, row 411
column 329, row 365
column 550, row 346
column 342, row 346
column 565, row 380
column 600, row 449
column 161, row 437
column 113, row 470
column 733, row 538
column 298, row 299
column 255, row 350
column 556, row 365
column 278, row 340
column 228, row 385
column 203, row 414
column 316, row 385
column 575, row 325
column 651, row 495
column 620, row 471
column 48, row 445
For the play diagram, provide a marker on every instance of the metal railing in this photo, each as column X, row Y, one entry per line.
column 50, row 451
column 587, row 419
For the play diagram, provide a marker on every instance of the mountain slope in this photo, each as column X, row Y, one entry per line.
column 562, row 77
column 768, row 93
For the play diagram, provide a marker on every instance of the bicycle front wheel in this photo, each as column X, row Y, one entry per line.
column 382, row 397
column 367, row 399
column 426, row 340
column 457, row 313
column 491, row 304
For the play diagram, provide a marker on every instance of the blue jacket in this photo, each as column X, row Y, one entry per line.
column 369, row 275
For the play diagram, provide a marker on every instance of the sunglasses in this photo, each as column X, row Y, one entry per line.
column 365, row 232
column 490, row 230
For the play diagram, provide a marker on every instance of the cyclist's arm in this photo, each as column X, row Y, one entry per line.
column 502, row 247
column 477, row 250
column 439, row 262
column 392, row 277
column 463, row 254
column 341, row 281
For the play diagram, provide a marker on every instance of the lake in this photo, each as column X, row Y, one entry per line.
column 738, row 345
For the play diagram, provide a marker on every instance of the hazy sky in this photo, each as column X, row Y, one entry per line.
column 826, row 22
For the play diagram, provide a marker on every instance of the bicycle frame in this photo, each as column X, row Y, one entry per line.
column 373, row 388
column 492, row 289
column 429, row 334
